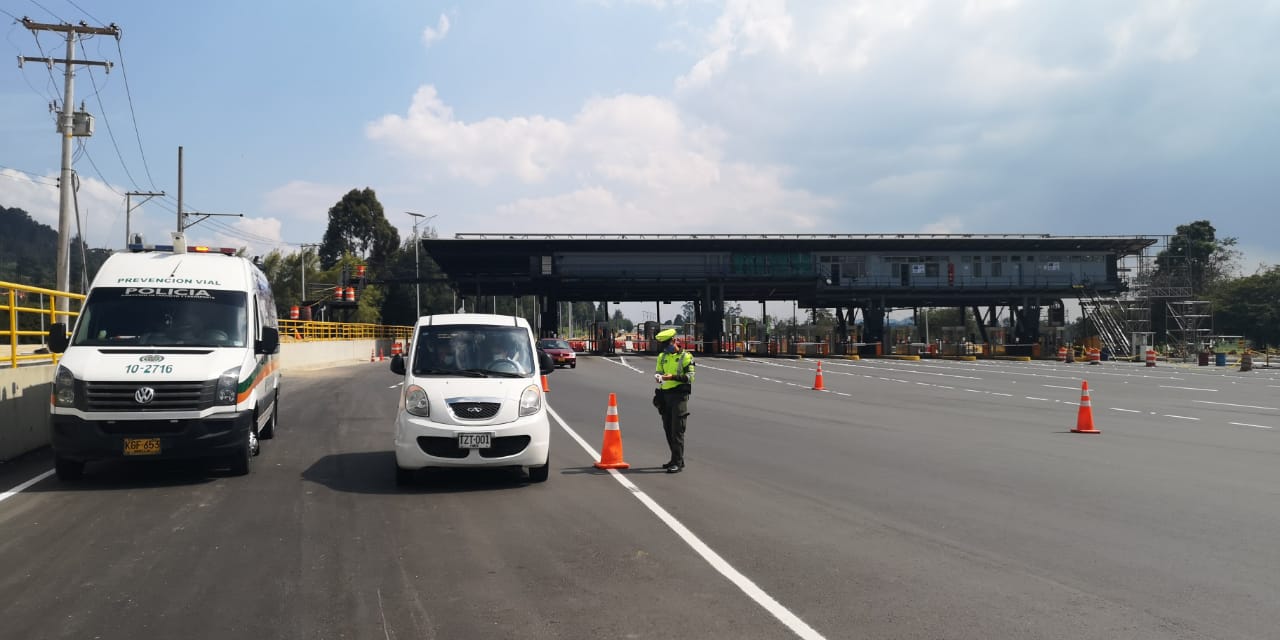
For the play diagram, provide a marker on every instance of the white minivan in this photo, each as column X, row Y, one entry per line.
column 472, row 396
column 173, row 355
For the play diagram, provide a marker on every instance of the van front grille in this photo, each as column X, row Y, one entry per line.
column 168, row 396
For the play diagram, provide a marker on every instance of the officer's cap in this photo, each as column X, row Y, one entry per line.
column 665, row 335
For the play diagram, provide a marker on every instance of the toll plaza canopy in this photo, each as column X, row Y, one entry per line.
column 895, row 271
column 873, row 274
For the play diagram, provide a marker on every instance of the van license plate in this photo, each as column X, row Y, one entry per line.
column 141, row 446
column 475, row 440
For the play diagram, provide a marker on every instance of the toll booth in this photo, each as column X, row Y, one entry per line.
column 647, row 332
column 602, row 339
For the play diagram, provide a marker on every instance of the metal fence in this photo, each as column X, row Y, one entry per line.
column 309, row 330
column 26, row 327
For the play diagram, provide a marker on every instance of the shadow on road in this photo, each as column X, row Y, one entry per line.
column 117, row 475
column 373, row 472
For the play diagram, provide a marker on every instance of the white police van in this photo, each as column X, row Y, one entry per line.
column 173, row 355
column 472, row 397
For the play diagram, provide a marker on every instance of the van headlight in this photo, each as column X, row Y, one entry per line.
column 415, row 401
column 227, row 384
column 64, row 388
column 530, row 401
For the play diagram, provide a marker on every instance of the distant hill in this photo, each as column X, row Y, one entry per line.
column 29, row 249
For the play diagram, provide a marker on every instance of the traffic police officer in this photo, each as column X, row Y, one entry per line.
column 674, row 372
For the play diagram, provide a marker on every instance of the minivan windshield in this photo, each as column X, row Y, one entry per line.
column 473, row 350
column 162, row 317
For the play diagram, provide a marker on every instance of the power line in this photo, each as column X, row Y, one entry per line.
column 46, row 10
column 137, row 132
column 110, row 133
column 97, row 171
column 9, row 14
column 35, row 177
column 86, row 13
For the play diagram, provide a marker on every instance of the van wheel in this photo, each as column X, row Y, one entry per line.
column 239, row 465
column 269, row 431
column 68, row 470
column 540, row 474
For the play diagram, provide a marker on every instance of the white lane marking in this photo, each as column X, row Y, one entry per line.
column 1006, row 395
column 790, row 620
column 1246, row 424
column 623, row 359
column 1054, row 386
column 1165, row 386
column 1244, row 406
column 382, row 612
column 946, row 387
column 394, row 386
column 24, row 486
column 1035, row 398
column 1125, row 410
column 1169, row 415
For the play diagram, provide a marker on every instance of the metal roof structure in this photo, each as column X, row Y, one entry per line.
column 513, row 264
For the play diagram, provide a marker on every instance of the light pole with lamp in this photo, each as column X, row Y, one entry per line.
column 417, row 286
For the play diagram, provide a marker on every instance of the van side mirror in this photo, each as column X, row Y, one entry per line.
column 58, row 338
column 545, row 363
column 270, row 342
column 397, row 365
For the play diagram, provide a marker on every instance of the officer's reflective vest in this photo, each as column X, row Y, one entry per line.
column 675, row 365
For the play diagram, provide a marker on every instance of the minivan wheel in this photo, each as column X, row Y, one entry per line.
column 540, row 474
column 68, row 470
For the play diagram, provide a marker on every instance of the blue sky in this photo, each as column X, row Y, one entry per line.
column 617, row 116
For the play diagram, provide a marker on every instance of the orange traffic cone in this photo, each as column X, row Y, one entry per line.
column 373, row 355
column 611, row 450
column 545, row 388
column 379, row 354
column 1084, row 419
column 817, row 380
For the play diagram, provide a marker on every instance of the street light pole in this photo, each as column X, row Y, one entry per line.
column 417, row 286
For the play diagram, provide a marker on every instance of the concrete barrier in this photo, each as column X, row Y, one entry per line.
column 24, row 392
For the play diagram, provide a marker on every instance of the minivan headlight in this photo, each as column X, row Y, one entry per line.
column 227, row 384
column 530, row 401
column 64, row 388
column 415, row 401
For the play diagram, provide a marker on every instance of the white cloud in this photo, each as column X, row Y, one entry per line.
column 627, row 161
column 303, row 201
column 746, row 28
column 431, row 35
column 259, row 235
column 101, row 209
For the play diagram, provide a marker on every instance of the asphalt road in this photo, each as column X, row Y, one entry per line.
column 910, row 500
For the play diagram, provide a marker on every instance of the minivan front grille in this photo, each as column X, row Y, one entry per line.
column 168, row 396
column 475, row 410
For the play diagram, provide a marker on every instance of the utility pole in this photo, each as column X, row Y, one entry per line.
column 67, row 129
column 181, row 228
column 129, row 207
column 417, row 286
column 302, row 268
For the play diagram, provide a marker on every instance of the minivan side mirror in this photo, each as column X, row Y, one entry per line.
column 270, row 342
column 58, row 338
column 545, row 363
column 397, row 365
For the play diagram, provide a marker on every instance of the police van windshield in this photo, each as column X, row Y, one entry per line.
column 162, row 317
column 479, row 350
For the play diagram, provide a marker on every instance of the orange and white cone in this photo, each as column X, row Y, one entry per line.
column 817, row 379
column 545, row 388
column 379, row 354
column 611, row 449
column 1084, row 419
column 373, row 355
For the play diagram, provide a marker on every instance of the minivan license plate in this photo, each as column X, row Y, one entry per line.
column 475, row 440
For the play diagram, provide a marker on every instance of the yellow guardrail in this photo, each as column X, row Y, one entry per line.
column 15, row 305
column 307, row 330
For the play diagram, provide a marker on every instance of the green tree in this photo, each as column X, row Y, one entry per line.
column 1250, row 307
column 359, row 227
column 1196, row 256
column 620, row 322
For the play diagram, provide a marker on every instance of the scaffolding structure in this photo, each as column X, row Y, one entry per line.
column 1125, row 322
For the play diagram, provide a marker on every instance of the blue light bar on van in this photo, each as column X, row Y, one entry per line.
column 137, row 248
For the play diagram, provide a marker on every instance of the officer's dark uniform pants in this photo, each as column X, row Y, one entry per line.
column 675, row 410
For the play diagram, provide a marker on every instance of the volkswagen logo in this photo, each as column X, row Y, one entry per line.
column 144, row 395
column 475, row 409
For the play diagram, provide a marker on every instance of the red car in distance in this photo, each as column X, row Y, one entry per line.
column 560, row 351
